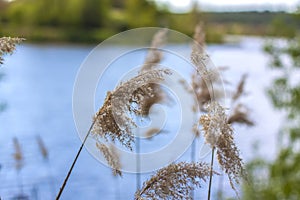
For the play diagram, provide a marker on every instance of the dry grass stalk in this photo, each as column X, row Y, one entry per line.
column 201, row 90
column 18, row 155
column 203, row 93
column 199, row 37
column 205, row 81
column 240, row 112
column 112, row 157
column 240, row 88
column 147, row 96
column 155, row 55
column 196, row 130
column 151, row 93
column 8, row 45
column 113, row 120
column 42, row 147
column 152, row 132
column 198, row 79
column 175, row 181
column 198, row 56
column 240, row 115
column 219, row 134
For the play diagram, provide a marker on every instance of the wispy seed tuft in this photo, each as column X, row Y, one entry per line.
column 112, row 157
column 8, row 45
column 219, row 134
column 175, row 181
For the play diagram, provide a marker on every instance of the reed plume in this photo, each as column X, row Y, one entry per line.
column 112, row 157
column 216, row 125
column 113, row 121
column 175, row 181
column 155, row 55
column 19, row 159
column 18, row 155
column 240, row 90
column 151, row 93
column 8, row 45
column 205, row 79
column 198, row 47
column 240, row 112
column 152, row 132
column 200, row 59
column 218, row 134
column 42, row 147
column 240, row 115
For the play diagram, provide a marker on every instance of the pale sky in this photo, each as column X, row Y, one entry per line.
column 219, row 5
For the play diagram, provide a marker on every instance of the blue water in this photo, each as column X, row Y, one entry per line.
column 38, row 86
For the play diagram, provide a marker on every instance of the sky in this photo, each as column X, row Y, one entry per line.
column 233, row 5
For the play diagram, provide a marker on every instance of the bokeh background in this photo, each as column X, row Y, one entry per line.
column 260, row 39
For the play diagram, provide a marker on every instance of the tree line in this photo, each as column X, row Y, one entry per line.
column 80, row 13
column 96, row 20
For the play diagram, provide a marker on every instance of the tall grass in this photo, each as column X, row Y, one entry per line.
column 176, row 180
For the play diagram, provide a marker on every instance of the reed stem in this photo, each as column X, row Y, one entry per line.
column 193, row 159
column 211, row 172
column 74, row 162
column 138, row 164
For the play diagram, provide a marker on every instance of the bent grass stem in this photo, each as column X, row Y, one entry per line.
column 74, row 162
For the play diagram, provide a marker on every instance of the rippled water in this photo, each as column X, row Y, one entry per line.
column 38, row 88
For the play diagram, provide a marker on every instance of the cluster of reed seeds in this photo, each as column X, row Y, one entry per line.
column 7, row 46
column 176, row 181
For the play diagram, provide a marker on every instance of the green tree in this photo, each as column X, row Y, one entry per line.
column 71, row 10
column 141, row 13
column 280, row 27
column 84, row 13
column 280, row 179
column 94, row 13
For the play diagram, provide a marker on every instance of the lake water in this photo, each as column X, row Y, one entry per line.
column 38, row 87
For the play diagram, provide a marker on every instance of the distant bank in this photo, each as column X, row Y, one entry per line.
column 217, row 25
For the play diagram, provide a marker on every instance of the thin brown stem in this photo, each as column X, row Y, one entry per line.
column 193, row 159
column 138, row 164
column 211, row 172
column 74, row 162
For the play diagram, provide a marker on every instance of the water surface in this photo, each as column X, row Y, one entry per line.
column 38, row 87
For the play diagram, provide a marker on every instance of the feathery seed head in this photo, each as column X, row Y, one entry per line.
column 42, row 147
column 219, row 134
column 8, row 45
column 240, row 88
column 113, row 121
column 151, row 93
column 155, row 55
column 112, row 157
column 214, row 123
column 240, row 115
column 18, row 155
column 175, row 181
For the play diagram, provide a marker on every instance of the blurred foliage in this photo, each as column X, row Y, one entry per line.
column 281, row 27
column 280, row 178
column 75, row 20
column 95, row 20
column 140, row 13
